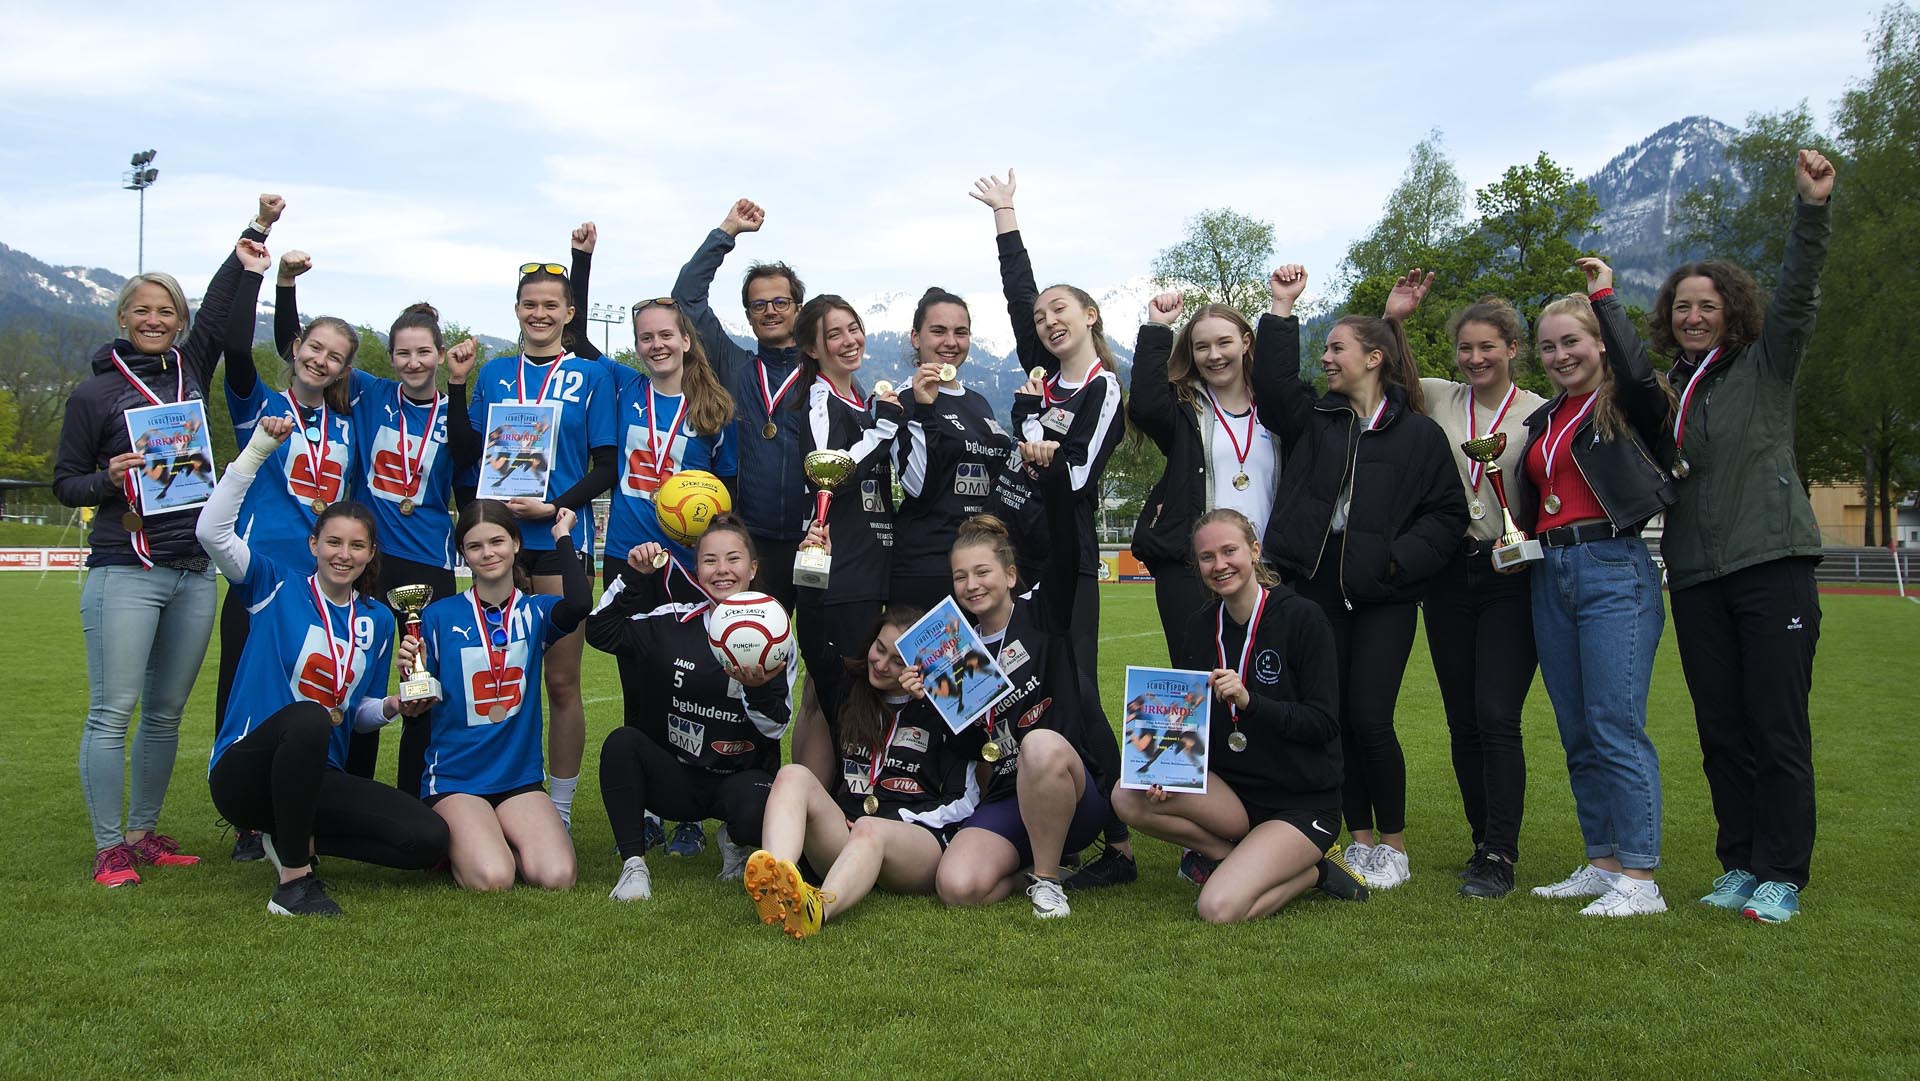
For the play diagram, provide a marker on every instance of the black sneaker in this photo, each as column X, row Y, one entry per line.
column 1467, row 868
column 304, row 896
column 1489, row 875
column 1111, row 867
column 247, row 848
column 1338, row 880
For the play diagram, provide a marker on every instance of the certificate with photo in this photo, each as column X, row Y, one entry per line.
column 517, row 457
column 1166, row 735
column 176, row 456
column 961, row 675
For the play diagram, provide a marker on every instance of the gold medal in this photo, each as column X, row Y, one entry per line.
column 130, row 522
column 871, row 804
column 407, row 505
column 660, row 559
column 497, row 714
column 769, row 430
column 947, row 372
column 318, row 505
column 1681, row 469
column 1552, row 504
column 1477, row 509
column 882, row 387
column 336, row 715
column 1240, row 481
column 1037, row 373
column 990, row 751
column 1237, row 741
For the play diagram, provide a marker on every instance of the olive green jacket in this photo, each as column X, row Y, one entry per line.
column 1742, row 502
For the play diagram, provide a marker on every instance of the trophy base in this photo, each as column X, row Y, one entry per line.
column 1512, row 556
column 812, row 567
column 420, row 689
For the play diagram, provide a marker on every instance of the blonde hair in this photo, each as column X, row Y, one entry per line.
column 175, row 295
column 1606, row 411
column 1180, row 362
column 709, row 406
column 1262, row 572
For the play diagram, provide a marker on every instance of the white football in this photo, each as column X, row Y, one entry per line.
column 750, row 628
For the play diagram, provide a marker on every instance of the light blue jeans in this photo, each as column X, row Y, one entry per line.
column 146, row 634
column 1597, row 619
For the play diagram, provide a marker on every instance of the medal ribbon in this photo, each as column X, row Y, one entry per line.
column 773, row 397
column 496, row 663
column 316, row 455
column 855, row 402
column 1686, row 399
column 130, row 482
column 410, row 464
column 878, row 760
column 1378, row 412
column 1246, row 648
column 1476, row 470
column 673, row 428
column 1049, row 386
column 1240, row 453
column 1553, row 442
column 341, row 653
column 521, row 375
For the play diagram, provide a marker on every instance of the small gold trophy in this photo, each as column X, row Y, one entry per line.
column 417, row 685
column 827, row 469
column 1514, row 549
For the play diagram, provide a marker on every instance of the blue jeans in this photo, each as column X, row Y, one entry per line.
column 1597, row 619
column 146, row 634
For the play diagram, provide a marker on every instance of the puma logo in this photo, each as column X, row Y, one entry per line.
column 464, row 632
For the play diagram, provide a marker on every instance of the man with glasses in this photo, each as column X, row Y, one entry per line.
column 771, row 494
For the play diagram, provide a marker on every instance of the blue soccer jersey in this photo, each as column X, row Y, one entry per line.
column 303, row 476
column 585, row 394
column 403, row 470
column 290, row 656
column 485, row 731
column 653, row 448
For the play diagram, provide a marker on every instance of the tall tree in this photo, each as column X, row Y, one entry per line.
column 16, row 463
column 1224, row 259
column 1527, row 220
column 1422, row 225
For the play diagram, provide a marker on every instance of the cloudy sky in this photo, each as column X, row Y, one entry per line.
column 427, row 150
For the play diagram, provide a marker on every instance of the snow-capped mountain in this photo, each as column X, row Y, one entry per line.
column 1639, row 190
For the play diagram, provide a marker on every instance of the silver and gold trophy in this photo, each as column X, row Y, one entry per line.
column 417, row 685
column 827, row 469
column 1514, row 549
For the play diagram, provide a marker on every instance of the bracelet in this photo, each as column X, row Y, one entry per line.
column 259, row 228
column 998, row 209
column 1599, row 294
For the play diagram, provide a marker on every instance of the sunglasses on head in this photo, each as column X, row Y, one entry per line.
column 551, row 268
column 656, row 302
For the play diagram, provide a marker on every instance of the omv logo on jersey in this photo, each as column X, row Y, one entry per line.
column 487, row 690
column 689, row 736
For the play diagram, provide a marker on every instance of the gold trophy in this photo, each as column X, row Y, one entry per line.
column 417, row 685
column 827, row 469
column 1514, row 549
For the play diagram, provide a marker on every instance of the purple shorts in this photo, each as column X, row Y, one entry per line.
column 1003, row 817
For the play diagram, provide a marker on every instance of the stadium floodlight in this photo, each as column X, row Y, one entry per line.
column 139, row 178
column 606, row 315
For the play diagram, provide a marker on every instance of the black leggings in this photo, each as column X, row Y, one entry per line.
column 1179, row 595
column 363, row 753
column 633, row 671
column 1480, row 634
column 638, row 775
column 1372, row 643
column 276, row 780
column 234, row 622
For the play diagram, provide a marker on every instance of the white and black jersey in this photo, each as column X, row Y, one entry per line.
column 953, row 449
column 860, row 521
column 710, row 720
column 926, row 778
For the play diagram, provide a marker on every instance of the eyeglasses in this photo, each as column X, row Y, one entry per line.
column 656, row 302
column 551, row 268
column 778, row 304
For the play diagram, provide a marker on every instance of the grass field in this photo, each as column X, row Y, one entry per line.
column 187, row 976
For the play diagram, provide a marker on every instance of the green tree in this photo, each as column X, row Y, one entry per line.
column 15, row 462
column 38, row 385
column 1224, row 259
column 1527, row 220
column 1751, row 230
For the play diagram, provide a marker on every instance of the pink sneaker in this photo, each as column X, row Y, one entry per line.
column 115, row 866
column 162, row 851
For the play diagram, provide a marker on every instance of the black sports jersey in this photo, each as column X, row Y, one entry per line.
column 860, row 520
column 1292, row 757
column 692, row 706
column 925, row 778
column 953, row 449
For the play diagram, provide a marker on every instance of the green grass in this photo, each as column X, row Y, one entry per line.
column 66, row 534
column 187, row 976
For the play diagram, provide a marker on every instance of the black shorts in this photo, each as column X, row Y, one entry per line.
column 546, row 561
column 1321, row 827
column 494, row 799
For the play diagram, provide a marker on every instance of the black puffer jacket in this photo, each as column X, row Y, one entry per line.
column 1622, row 471
column 1408, row 512
column 95, row 430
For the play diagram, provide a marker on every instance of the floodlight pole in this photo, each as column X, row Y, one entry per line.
column 606, row 315
column 139, row 178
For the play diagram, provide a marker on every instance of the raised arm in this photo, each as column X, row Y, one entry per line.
column 576, row 592
column 243, row 382
column 580, row 329
column 1636, row 387
column 1152, row 406
column 286, row 301
column 691, row 288
column 462, row 439
column 1790, row 314
column 1284, row 402
column 206, row 342
column 215, row 528
column 1017, row 283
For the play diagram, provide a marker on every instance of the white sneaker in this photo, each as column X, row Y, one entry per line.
column 1360, row 857
column 733, row 858
column 636, row 882
column 1049, row 900
column 1628, row 897
column 1585, row 881
column 1387, row 867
